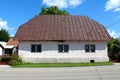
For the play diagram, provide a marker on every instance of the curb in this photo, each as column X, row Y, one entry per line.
column 5, row 66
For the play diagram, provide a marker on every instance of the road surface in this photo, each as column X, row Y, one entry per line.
column 111, row 72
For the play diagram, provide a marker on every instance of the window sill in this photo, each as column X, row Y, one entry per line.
column 63, row 52
column 90, row 52
column 36, row 52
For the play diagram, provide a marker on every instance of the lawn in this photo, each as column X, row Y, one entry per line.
column 38, row 65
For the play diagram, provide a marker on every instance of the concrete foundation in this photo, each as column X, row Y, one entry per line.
column 63, row 60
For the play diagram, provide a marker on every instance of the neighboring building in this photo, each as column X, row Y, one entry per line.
column 13, row 41
column 7, row 49
column 59, row 38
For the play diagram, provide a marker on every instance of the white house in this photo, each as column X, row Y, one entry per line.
column 62, row 38
column 8, row 48
column 5, row 49
column 1, row 48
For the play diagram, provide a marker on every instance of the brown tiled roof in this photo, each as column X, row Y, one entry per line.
column 62, row 27
column 12, row 41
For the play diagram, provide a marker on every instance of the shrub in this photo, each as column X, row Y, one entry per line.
column 5, row 59
column 0, row 59
column 16, row 60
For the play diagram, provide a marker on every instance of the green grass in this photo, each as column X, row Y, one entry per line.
column 39, row 65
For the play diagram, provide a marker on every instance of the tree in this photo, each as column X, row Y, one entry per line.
column 114, row 49
column 53, row 10
column 43, row 11
column 4, row 35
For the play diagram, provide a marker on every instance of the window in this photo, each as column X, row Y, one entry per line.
column 33, row 48
column 36, row 48
column 8, row 51
column 89, row 48
column 63, row 48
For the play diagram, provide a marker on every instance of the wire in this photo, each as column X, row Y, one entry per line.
column 114, row 23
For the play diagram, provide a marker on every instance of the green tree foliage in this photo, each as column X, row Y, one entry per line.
column 53, row 10
column 114, row 49
column 4, row 35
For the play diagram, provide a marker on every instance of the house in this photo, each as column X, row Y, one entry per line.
column 5, row 50
column 62, row 38
column 9, row 48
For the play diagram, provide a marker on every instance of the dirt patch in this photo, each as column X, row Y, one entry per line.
column 3, row 63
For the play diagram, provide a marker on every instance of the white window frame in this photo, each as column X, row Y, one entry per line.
column 36, row 48
column 90, row 48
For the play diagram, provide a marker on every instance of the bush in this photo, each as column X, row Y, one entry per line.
column 0, row 59
column 16, row 60
column 5, row 59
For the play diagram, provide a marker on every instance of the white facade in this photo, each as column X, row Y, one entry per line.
column 76, row 52
column 3, row 46
column 1, row 51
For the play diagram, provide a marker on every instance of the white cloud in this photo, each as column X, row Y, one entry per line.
column 62, row 3
column 112, row 5
column 3, row 24
column 75, row 2
column 114, row 34
column 11, row 29
column 12, row 35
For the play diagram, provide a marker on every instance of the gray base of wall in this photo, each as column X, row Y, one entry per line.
column 63, row 60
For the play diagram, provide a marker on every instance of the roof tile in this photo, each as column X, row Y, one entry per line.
column 62, row 27
column 12, row 41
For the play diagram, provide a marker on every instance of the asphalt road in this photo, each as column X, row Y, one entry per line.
column 70, row 73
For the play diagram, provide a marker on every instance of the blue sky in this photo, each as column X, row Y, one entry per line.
column 14, row 13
